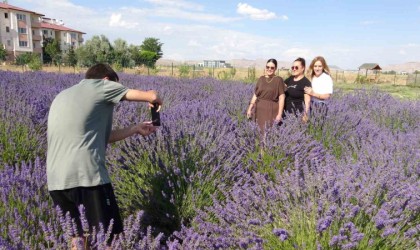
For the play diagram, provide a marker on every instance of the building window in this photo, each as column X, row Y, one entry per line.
column 21, row 17
column 23, row 43
column 7, row 29
column 33, row 45
column 9, row 43
column 45, row 32
column 22, row 30
column 51, row 32
column 6, row 15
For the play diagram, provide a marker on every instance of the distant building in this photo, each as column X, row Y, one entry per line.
column 215, row 64
column 55, row 29
column 20, row 30
column 24, row 31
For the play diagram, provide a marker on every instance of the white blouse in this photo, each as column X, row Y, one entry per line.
column 322, row 84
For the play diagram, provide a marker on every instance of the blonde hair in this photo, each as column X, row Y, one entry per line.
column 325, row 67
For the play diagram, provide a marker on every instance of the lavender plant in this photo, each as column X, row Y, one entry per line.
column 348, row 179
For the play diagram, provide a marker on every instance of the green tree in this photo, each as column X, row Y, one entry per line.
column 71, row 58
column 29, row 59
column 148, row 58
column 135, row 54
column 122, row 54
column 52, row 49
column 96, row 50
column 23, row 59
column 3, row 53
column 152, row 45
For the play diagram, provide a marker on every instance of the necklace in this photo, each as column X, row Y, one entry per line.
column 269, row 77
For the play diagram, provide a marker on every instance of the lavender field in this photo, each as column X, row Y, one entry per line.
column 347, row 180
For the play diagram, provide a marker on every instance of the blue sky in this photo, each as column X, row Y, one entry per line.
column 347, row 33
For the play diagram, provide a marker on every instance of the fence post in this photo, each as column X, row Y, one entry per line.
column 395, row 77
column 172, row 74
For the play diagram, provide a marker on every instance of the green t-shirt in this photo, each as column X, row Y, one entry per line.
column 79, row 126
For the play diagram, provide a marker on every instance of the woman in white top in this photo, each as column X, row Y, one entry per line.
column 322, row 83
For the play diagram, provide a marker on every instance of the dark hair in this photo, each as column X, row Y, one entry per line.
column 302, row 61
column 100, row 71
column 272, row 60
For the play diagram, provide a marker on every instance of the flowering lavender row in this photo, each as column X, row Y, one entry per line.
column 349, row 179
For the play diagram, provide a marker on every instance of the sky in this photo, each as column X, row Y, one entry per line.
column 347, row 33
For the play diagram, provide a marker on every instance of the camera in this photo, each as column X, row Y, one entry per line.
column 155, row 115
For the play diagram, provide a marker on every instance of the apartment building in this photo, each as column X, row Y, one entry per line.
column 24, row 31
column 20, row 30
column 55, row 29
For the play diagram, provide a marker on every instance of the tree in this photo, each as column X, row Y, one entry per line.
column 122, row 55
column 96, row 50
column 152, row 45
column 3, row 53
column 52, row 49
column 33, row 60
column 71, row 58
column 148, row 58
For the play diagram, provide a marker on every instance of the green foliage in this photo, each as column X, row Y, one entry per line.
column 96, row 50
column 184, row 70
column 71, row 57
column 252, row 75
column 153, row 45
column 148, row 58
column 122, row 54
column 223, row 75
column 51, row 47
column 32, row 60
column 35, row 63
column 360, row 79
column 3, row 53
column 17, row 144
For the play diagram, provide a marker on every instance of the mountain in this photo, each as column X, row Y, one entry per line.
column 408, row 67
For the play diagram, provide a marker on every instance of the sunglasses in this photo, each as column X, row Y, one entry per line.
column 268, row 67
column 294, row 67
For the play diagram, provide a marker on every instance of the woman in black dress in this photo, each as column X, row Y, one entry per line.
column 297, row 102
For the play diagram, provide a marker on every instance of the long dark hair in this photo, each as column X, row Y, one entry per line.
column 272, row 60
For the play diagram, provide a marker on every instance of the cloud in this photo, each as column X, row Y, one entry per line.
column 402, row 52
column 177, row 4
column 115, row 21
column 176, row 13
column 255, row 13
column 297, row 52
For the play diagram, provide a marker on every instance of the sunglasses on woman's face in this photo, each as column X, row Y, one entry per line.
column 295, row 67
column 269, row 67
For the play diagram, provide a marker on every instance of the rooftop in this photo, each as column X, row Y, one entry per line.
column 11, row 7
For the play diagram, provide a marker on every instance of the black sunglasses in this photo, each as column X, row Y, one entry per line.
column 294, row 67
column 268, row 67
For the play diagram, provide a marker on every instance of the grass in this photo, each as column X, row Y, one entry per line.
column 399, row 91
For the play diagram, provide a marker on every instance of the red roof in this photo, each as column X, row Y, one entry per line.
column 58, row 27
column 11, row 7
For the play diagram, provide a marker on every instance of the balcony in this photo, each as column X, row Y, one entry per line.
column 36, row 25
column 37, row 50
column 36, row 37
column 81, row 40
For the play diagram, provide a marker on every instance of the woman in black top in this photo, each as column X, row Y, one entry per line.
column 297, row 102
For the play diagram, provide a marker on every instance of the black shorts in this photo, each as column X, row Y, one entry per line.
column 99, row 202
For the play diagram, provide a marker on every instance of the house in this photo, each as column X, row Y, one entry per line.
column 375, row 68
column 215, row 64
column 20, row 30
column 24, row 31
column 55, row 29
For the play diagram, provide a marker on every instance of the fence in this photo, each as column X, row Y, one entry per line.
column 413, row 80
